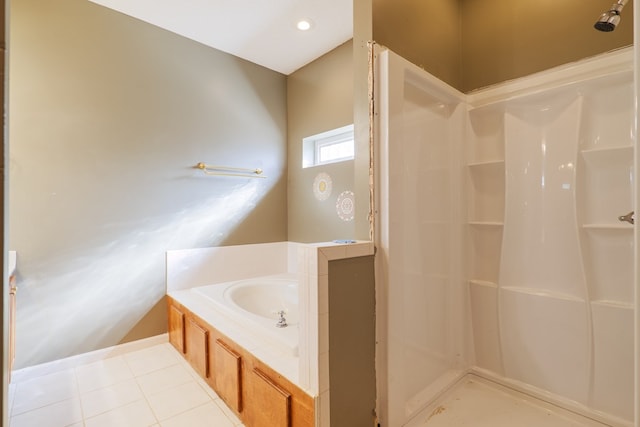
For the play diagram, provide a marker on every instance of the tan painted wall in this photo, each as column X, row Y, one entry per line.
column 475, row 43
column 107, row 116
column 506, row 39
column 362, row 36
column 352, row 337
column 426, row 33
column 319, row 99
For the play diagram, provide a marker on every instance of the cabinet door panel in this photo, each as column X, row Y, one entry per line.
column 227, row 373
column 176, row 328
column 270, row 404
column 198, row 347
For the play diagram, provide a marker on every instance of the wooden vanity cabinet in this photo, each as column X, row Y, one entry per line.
column 176, row 328
column 197, row 346
column 190, row 338
column 258, row 395
column 272, row 400
column 272, row 403
column 227, row 366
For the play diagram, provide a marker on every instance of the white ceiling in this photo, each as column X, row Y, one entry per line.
column 260, row 31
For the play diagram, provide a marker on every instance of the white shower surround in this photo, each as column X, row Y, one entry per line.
column 526, row 278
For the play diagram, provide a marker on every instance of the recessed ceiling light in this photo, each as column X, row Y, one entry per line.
column 304, row 24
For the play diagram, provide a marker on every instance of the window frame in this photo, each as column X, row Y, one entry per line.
column 312, row 146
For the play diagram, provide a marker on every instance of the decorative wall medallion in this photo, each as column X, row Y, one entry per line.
column 322, row 186
column 345, row 205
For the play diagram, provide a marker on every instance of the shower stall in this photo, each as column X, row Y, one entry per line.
column 505, row 248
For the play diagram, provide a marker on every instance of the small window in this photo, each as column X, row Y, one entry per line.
column 328, row 147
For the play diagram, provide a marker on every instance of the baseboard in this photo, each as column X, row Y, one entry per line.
column 24, row 374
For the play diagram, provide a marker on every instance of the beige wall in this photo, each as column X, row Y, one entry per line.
column 506, row 39
column 319, row 99
column 362, row 36
column 426, row 33
column 352, row 338
column 107, row 117
column 475, row 43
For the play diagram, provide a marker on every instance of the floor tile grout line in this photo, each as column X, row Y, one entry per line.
column 77, row 383
column 176, row 361
column 84, row 420
column 155, row 416
column 103, row 386
column 134, row 377
column 149, row 394
column 76, row 395
column 146, row 397
column 119, row 406
column 49, row 403
column 193, row 380
column 46, row 406
column 188, row 410
column 153, row 371
column 158, row 420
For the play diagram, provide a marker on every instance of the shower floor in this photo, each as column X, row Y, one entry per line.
column 479, row 403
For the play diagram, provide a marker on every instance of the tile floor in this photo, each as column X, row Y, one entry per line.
column 156, row 387
column 150, row 387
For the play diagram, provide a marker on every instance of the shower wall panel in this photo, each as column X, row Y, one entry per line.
column 551, row 289
column 422, row 279
column 542, row 310
column 549, row 267
column 605, row 178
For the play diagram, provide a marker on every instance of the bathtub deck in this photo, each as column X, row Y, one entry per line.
column 477, row 403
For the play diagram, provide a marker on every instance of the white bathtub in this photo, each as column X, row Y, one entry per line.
column 255, row 303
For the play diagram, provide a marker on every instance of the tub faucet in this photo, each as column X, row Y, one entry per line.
column 282, row 322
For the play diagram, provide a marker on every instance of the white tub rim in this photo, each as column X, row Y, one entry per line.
column 284, row 339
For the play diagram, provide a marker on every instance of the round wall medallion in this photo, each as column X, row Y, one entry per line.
column 345, row 205
column 322, row 186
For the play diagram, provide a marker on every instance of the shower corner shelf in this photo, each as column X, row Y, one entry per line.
column 628, row 227
column 485, row 283
column 625, row 305
column 487, row 163
column 486, row 223
column 603, row 157
column 602, row 150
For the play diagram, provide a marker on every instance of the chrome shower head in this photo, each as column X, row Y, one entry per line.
column 611, row 18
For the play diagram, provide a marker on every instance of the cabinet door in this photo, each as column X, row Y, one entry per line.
column 270, row 404
column 176, row 328
column 197, row 347
column 227, row 373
